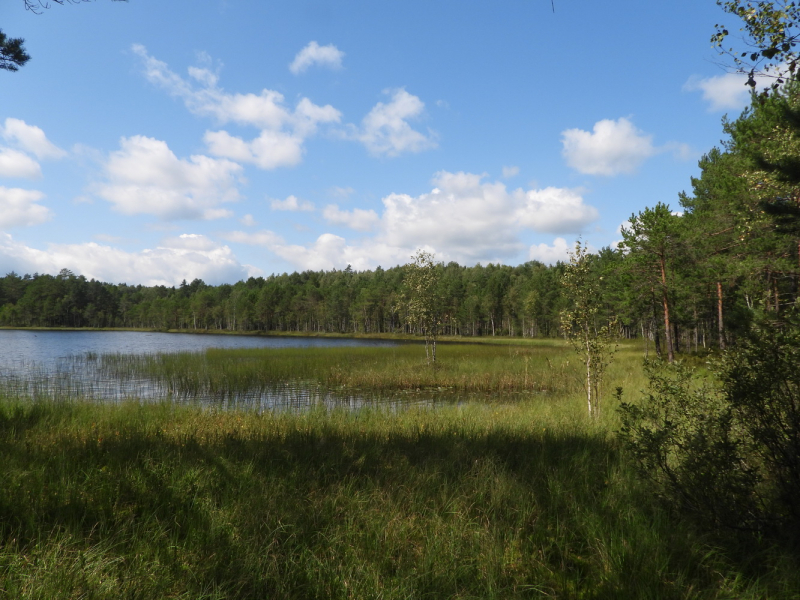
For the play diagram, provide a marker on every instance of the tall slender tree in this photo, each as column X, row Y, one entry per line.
column 654, row 245
column 422, row 299
column 581, row 321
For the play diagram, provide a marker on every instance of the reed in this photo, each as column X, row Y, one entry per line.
column 461, row 368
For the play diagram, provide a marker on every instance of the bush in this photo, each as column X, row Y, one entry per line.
column 727, row 453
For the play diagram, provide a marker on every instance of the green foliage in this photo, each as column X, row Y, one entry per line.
column 728, row 454
column 423, row 302
column 593, row 342
column 654, row 244
column 12, row 53
column 770, row 34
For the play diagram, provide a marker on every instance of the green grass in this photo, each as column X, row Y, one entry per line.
column 520, row 497
column 460, row 368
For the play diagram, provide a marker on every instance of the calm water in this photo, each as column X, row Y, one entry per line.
column 68, row 364
column 47, row 347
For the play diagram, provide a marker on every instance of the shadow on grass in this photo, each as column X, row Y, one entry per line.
column 345, row 509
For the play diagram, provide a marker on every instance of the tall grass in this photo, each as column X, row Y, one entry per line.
column 521, row 500
column 520, row 497
column 461, row 368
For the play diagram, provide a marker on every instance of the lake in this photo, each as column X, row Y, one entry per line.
column 68, row 364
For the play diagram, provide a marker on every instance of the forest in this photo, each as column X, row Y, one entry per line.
column 689, row 276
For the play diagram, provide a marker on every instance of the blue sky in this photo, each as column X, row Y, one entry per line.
column 151, row 142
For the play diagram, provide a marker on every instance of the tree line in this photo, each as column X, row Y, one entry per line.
column 683, row 278
column 480, row 300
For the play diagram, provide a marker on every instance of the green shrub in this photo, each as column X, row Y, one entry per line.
column 727, row 452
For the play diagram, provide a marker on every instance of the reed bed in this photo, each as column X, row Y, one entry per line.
column 461, row 368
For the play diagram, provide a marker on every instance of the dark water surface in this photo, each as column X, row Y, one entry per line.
column 68, row 364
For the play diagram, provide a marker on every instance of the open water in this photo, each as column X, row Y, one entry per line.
column 68, row 364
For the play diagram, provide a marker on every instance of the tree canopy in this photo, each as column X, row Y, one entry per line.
column 771, row 30
column 12, row 53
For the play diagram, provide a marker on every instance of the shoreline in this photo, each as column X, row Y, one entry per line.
column 398, row 337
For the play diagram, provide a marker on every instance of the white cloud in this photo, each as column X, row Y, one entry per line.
column 722, row 92
column 292, row 203
column 386, row 131
column 550, row 255
column 14, row 163
column 314, row 54
column 463, row 218
column 725, row 92
column 358, row 219
column 30, row 139
column 283, row 130
column 165, row 265
column 327, row 252
column 261, row 238
column 204, row 76
column 145, row 177
column 270, row 150
column 19, row 207
column 509, row 172
column 190, row 241
column 472, row 220
column 248, row 221
column 612, row 148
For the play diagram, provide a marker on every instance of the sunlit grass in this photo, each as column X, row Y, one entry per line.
column 460, row 368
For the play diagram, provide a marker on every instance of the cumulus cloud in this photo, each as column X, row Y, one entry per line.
column 549, row 255
column 725, row 92
column 283, row 130
column 14, row 163
column 248, row 221
column 185, row 257
column 327, row 252
column 30, row 139
column 463, row 218
column 612, row 148
column 19, row 208
column 145, row 177
column 292, row 203
column 314, row 54
column 386, row 130
column 358, row 219
column 270, row 150
column 479, row 221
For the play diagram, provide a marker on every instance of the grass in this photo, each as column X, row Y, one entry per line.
column 460, row 368
column 515, row 498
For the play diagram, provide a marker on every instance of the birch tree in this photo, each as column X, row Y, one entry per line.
column 422, row 301
column 594, row 343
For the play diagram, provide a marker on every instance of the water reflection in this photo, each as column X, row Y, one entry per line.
column 88, row 377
